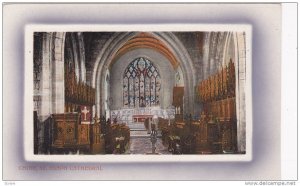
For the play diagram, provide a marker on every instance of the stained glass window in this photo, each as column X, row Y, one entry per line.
column 141, row 84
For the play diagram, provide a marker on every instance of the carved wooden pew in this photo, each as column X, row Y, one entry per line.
column 183, row 130
column 97, row 140
column 228, row 137
column 214, row 135
column 163, row 125
column 117, row 138
column 210, row 135
column 179, row 138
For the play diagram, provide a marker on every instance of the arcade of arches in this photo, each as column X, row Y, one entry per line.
column 139, row 92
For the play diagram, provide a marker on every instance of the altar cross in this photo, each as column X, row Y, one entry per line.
column 85, row 111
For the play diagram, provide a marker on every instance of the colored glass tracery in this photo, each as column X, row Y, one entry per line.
column 141, row 84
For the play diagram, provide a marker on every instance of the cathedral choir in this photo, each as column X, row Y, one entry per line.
column 80, row 129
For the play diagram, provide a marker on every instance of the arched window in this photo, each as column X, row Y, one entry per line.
column 141, row 84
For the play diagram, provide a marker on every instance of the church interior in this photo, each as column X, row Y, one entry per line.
column 174, row 93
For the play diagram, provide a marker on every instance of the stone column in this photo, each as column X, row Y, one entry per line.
column 240, row 91
column 58, row 81
column 46, row 79
column 81, row 57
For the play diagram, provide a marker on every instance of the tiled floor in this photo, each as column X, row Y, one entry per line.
column 143, row 145
column 140, row 142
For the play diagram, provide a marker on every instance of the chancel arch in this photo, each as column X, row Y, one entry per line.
column 172, row 43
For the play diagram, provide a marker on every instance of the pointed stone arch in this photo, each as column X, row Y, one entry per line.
column 111, row 47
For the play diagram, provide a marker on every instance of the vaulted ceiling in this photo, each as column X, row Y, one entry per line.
column 146, row 40
column 95, row 41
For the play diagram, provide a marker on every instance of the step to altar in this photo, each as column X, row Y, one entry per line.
column 136, row 125
column 139, row 133
column 142, row 133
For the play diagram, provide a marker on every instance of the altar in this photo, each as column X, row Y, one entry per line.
column 140, row 118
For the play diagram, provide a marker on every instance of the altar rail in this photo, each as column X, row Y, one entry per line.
column 125, row 115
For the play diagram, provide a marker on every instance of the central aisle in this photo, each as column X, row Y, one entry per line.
column 140, row 142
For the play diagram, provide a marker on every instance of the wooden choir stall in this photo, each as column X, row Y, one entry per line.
column 216, row 130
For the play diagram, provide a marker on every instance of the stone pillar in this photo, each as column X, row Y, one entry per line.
column 81, row 57
column 206, row 56
column 240, row 91
column 46, row 79
column 98, row 96
column 58, row 81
